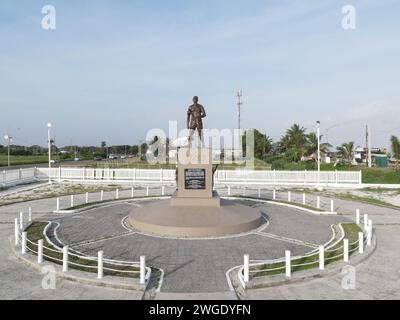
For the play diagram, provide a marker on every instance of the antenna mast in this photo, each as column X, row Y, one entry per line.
column 239, row 104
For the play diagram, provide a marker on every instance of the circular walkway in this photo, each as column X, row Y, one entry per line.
column 194, row 265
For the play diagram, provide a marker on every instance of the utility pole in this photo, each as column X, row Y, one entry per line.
column 318, row 152
column 8, row 138
column 239, row 104
column 368, row 144
column 49, row 147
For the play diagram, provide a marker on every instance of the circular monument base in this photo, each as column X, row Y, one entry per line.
column 160, row 218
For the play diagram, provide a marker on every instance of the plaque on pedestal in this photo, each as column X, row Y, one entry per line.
column 195, row 179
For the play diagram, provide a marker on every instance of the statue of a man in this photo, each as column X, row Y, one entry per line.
column 195, row 114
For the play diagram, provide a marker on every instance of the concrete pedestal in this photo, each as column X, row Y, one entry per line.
column 195, row 179
column 160, row 218
column 195, row 210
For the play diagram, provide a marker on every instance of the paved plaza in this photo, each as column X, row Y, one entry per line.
column 194, row 267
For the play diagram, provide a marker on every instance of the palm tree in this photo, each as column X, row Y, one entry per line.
column 295, row 138
column 395, row 146
column 346, row 151
column 312, row 145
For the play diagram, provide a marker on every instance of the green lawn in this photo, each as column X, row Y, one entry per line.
column 16, row 160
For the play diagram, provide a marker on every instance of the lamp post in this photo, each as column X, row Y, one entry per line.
column 319, row 152
column 8, row 139
column 49, row 145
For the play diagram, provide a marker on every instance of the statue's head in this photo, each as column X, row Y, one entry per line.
column 195, row 99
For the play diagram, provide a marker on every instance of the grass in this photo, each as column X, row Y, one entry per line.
column 35, row 233
column 368, row 200
column 72, row 189
column 380, row 175
column 335, row 253
column 382, row 190
column 16, row 160
column 363, row 199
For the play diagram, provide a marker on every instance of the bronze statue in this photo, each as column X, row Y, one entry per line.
column 195, row 114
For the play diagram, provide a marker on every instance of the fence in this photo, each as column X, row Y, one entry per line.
column 167, row 176
column 319, row 258
column 67, row 258
column 18, row 176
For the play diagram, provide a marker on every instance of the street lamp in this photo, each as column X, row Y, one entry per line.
column 49, row 145
column 319, row 152
column 8, row 139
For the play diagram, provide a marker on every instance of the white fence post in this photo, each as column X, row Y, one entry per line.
column 332, row 206
column 101, row 195
column 58, row 204
column 40, row 251
column 259, row 193
column 244, row 191
column 16, row 231
column 132, row 192
column 29, row 214
column 289, row 196
column 360, row 242
column 87, row 197
column 23, row 245
column 304, row 198
column 318, row 202
column 358, row 216
column 365, row 221
column 246, row 267
column 369, row 233
column 100, row 265
column 274, row 194
column 288, row 264
column 147, row 191
column 229, row 190
column 142, row 269
column 321, row 258
column 65, row 259
column 116, row 194
column 346, row 250
column 162, row 190
column 72, row 200
column 21, row 220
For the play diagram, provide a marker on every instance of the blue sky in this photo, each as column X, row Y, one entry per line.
column 112, row 70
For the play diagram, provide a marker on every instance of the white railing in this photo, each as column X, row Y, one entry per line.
column 18, row 176
column 167, row 176
column 87, row 263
